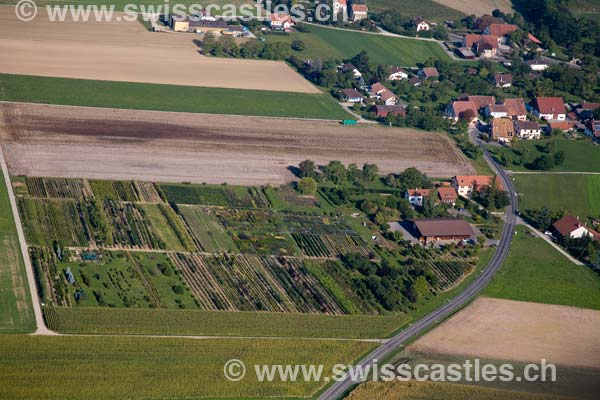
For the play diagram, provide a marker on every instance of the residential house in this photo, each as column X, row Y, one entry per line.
column 465, row 110
column 429, row 73
column 515, row 109
column 550, row 108
column 415, row 81
column 421, row 24
column 416, row 196
column 467, row 184
column 340, row 6
column 442, row 229
column 484, row 45
column 388, row 98
column 585, row 111
column 384, row 111
column 349, row 67
column 376, row 89
column 481, row 102
column 281, row 21
column 447, row 195
column 537, row 65
column 351, row 96
column 496, row 111
column 502, row 80
column 593, row 129
column 500, row 31
column 528, row 130
column 359, row 12
column 503, row 130
column 565, row 126
column 397, row 74
column 481, row 23
column 571, row 227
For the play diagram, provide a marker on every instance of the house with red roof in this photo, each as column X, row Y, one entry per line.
column 550, row 108
column 385, row 111
column 397, row 74
column 465, row 185
column 416, row 196
column 500, row 31
column 359, row 12
column 447, row 195
column 484, row 45
column 515, row 109
column 429, row 73
column 280, row 21
column 465, row 110
column 571, row 227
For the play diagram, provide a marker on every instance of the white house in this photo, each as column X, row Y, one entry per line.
column 550, row 108
column 349, row 67
column 467, row 184
column 571, row 227
column 352, row 96
column 421, row 24
column 388, row 98
column 397, row 74
column 359, row 12
column 281, row 21
column 416, row 196
column 496, row 111
column 528, row 130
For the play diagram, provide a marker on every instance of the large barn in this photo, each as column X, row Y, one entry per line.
column 438, row 229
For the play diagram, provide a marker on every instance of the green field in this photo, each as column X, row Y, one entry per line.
column 427, row 9
column 536, row 272
column 16, row 313
column 209, row 234
column 581, row 156
column 575, row 194
column 343, row 44
column 219, row 323
column 146, row 96
column 43, row 367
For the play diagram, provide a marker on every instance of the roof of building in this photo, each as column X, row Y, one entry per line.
column 281, row 17
column 414, row 80
column 481, row 101
column 459, row 107
column 384, row 111
column 418, row 20
column 486, row 20
column 563, row 125
column 447, row 193
column 503, row 78
column 527, row 125
column 206, row 23
column 235, row 28
column 536, row 62
column 590, row 106
column 550, row 105
column 418, row 192
column 515, row 107
column 498, row 108
column 477, row 180
column 481, row 41
column 377, row 87
column 442, row 227
column 503, row 128
column 395, row 70
column 430, row 72
column 567, row 224
column 351, row 93
column 501, row 29
column 348, row 67
column 533, row 39
column 595, row 127
column 387, row 95
column 360, row 7
column 465, row 52
column 341, row 2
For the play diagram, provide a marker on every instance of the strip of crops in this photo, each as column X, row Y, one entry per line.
column 114, row 190
column 448, row 273
column 210, row 195
column 147, row 192
column 130, row 228
column 58, row 188
column 50, row 282
column 219, row 323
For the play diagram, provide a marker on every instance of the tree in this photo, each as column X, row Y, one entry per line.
column 307, row 169
column 370, row 172
column 307, row 186
column 335, row 172
column 298, row 45
column 362, row 61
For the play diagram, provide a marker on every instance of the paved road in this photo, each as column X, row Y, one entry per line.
column 338, row 389
column 41, row 328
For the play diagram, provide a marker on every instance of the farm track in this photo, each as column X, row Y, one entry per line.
column 45, row 140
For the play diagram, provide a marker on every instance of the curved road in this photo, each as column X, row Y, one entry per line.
column 338, row 389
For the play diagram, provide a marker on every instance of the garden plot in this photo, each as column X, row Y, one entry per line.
column 114, row 190
column 253, row 283
column 208, row 234
column 210, row 195
column 59, row 188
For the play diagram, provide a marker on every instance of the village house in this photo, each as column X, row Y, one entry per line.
column 465, row 110
column 481, row 23
column 537, row 65
column 447, row 195
column 359, row 12
column 550, row 108
column 397, row 74
column 496, row 111
column 515, row 109
column 442, row 229
column 528, row 130
column 592, row 129
column 416, row 196
column 500, row 31
column 388, row 98
column 415, row 81
column 465, row 53
column 502, row 80
column 384, row 111
column 503, row 130
column 376, row 89
column 565, row 126
column 421, row 24
column 349, row 67
column 340, row 6
column 571, row 227
column 281, row 22
column 467, row 184
column 481, row 102
column 429, row 73
column 351, row 96
column 484, row 45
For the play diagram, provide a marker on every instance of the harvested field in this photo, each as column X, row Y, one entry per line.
column 518, row 331
column 125, row 51
column 478, row 7
column 44, row 140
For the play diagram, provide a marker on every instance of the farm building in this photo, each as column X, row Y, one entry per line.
column 484, row 45
column 496, row 111
column 441, row 229
column 198, row 25
column 384, row 111
column 500, row 30
column 466, row 53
